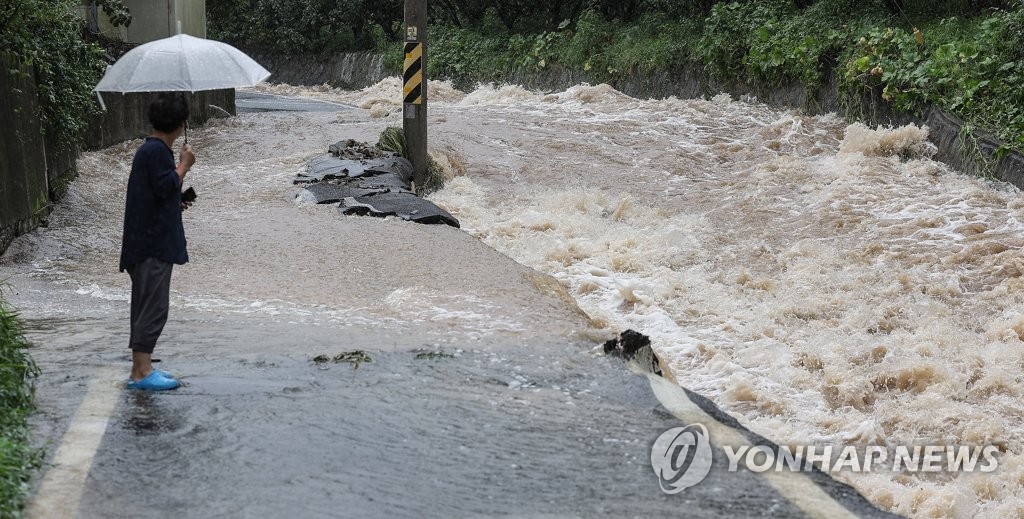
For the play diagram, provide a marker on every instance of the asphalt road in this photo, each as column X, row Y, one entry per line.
column 499, row 428
column 248, row 102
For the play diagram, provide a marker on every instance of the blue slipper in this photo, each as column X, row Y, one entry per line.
column 153, row 382
column 166, row 374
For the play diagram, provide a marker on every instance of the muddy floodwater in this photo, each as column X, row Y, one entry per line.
column 825, row 283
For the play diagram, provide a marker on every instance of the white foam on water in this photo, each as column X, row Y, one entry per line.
column 421, row 304
column 386, row 92
column 824, row 282
column 489, row 94
column 108, row 294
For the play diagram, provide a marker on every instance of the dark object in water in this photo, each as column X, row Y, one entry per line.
column 392, row 182
column 354, row 357
column 331, row 193
column 633, row 345
column 431, row 355
column 397, row 166
column 367, row 181
column 627, row 344
column 327, row 167
column 406, row 206
column 353, row 149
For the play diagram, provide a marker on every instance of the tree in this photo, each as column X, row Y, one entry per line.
column 115, row 11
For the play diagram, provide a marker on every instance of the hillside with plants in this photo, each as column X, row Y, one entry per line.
column 965, row 56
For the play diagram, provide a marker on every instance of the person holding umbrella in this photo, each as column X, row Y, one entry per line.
column 154, row 237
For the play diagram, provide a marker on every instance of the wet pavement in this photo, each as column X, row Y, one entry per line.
column 504, row 425
column 502, row 428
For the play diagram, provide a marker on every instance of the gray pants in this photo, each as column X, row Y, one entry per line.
column 151, row 292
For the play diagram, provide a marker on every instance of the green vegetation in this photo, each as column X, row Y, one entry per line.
column 969, row 63
column 42, row 40
column 393, row 139
column 287, row 26
column 971, row 67
column 966, row 56
column 17, row 373
column 46, row 35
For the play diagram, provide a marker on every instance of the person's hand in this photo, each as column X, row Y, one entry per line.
column 187, row 157
column 186, row 205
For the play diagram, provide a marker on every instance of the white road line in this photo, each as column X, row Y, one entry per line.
column 794, row 486
column 61, row 489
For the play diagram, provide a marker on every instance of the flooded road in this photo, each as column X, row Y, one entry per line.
column 824, row 283
column 527, row 430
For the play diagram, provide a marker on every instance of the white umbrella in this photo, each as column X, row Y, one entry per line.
column 181, row 63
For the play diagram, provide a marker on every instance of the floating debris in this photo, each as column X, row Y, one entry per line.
column 327, row 168
column 328, row 193
column 403, row 205
column 431, row 355
column 354, row 357
column 355, row 150
column 366, row 181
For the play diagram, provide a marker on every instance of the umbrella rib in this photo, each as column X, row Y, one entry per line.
column 188, row 66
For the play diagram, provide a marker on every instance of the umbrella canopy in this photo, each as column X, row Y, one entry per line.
column 181, row 63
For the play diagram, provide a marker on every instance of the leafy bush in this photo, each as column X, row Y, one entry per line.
column 47, row 35
column 17, row 374
column 297, row 26
column 969, row 67
column 467, row 55
column 729, row 31
column 655, row 42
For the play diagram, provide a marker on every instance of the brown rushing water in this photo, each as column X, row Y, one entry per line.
column 823, row 282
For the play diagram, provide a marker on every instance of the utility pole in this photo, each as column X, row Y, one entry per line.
column 415, row 88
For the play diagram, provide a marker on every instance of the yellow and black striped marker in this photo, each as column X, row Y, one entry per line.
column 413, row 73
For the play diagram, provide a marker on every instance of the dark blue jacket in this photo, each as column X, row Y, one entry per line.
column 152, row 211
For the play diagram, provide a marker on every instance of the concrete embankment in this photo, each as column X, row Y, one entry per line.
column 349, row 70
column 33, row 166
column 125, row 115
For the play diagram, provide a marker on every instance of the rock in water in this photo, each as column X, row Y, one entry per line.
column 634, row 346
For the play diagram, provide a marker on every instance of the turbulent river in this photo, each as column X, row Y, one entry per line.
column 825, row 283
